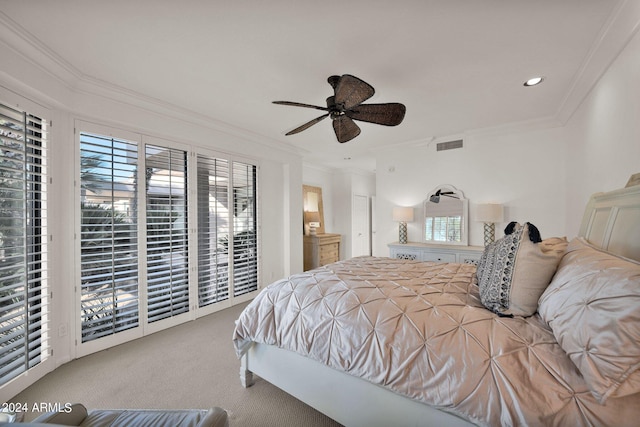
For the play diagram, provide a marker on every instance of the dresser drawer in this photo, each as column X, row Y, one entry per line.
column 436, row 257
column 410, row 255
column 470, row 258
column 331, row 248
column 321, row 249
column 329, row 253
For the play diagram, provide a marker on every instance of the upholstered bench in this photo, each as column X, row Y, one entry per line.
column 79, row 416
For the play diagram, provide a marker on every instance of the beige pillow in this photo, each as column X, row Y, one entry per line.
column 514, row 271
column 593, row 307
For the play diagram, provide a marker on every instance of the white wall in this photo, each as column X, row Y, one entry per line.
column 603, row 136
column 525, row 172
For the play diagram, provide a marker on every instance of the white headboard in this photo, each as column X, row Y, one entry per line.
column 612, row 221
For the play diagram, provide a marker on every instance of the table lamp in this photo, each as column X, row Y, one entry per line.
column 403, row 214
column 313, row 219
column 489, row 213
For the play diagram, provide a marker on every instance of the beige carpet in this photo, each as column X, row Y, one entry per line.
column 192, row 365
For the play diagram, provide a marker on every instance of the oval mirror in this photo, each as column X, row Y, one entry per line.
column 445, row 216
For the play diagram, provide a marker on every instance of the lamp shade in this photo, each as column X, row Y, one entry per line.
column 403, row 214
column 489, row 212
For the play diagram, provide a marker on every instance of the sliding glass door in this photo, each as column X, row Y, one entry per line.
column 245, row 221
column 167, row 237
column 109, row 274
column 165, row 232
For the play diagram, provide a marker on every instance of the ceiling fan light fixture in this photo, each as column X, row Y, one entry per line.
column 346, row 105
column 534, row 81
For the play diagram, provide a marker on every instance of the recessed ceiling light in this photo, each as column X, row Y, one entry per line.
column 534, row 81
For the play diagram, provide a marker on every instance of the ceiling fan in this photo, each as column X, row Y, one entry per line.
column 346, row 105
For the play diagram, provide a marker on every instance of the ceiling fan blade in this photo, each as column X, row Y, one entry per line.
column 333, row 81
column 298, row 104
column 307, row 125
column 345, row 128
column 351, row 91
column 390, row 114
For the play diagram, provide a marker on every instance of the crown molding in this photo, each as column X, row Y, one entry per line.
column 95, row 87
column 31, row 49
column 616, row 33
column 614, row 36
column 76, row 83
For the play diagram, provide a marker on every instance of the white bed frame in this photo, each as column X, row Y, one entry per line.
column 611, row 221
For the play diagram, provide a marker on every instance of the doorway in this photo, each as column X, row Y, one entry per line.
column 361, row 226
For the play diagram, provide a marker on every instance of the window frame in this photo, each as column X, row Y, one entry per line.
column 233, row 299
column 45, row 363
column 194, row 311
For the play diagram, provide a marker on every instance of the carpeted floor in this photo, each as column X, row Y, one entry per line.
column 192, row 365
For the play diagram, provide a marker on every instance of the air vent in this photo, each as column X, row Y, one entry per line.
column 450, row 145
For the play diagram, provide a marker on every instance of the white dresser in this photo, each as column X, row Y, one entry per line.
column 436, row 252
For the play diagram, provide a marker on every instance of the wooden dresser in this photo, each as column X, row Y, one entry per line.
column 321, row 249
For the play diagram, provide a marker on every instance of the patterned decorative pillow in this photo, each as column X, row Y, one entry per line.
column 514, row 271
column 593, row 308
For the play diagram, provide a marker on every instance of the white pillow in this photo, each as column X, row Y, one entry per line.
column 593, row 307
column 514, row 271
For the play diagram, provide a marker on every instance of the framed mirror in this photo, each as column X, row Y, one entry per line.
column 312, row 208
column 446, row 214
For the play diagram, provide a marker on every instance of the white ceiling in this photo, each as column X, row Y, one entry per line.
column 457, row 65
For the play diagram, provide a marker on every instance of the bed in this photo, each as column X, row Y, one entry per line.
column 374, row 341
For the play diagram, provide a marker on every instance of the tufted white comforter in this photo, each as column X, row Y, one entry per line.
column 419, row 329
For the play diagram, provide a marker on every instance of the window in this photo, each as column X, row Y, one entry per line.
column 227, row 206
column 167, row 237
column 109, row 240
column 245, row 222
column 443, row 228
column 23, row 243
column 137, row 202
column 213, row 230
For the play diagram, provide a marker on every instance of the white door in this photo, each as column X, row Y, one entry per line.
column 373, row 227
column 361, row 229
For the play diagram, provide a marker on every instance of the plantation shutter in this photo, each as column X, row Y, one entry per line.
column 23, row 243
column 213, row 230
column 135, row 241
column 167, row 256
column 109, row 252
column 245, row 226
column 444, row 221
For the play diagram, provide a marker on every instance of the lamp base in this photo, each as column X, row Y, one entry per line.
column 402, row 228
column 489, row 233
